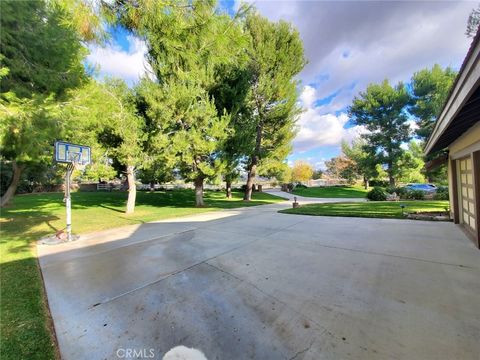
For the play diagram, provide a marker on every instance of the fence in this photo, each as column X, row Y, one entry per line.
column 169, row 186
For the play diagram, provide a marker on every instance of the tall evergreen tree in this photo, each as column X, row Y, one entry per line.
column 430, row 89
column 382, row 110
column 41, row 58
column 276, row 57
column 230, row 94
column 187, row 42
column 473, row 22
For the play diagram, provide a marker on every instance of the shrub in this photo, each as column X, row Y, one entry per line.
column 377, row 194
column 441, row 193
column 381, row 183
column 415, row 195
column 400, row 191
column 290, row 186
column 301, row 186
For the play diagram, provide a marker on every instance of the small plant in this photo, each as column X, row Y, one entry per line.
column 377, row 194
column 441, row 193
column 415, row 195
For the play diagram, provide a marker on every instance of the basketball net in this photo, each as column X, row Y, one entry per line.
column 76, row 162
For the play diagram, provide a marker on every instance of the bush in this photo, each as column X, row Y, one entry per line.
column 381, row 183
column 400, row 191
column 300, row 186
column 415, row 195
column 441, row 193
column 377, row 194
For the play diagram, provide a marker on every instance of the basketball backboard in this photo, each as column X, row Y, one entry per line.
column 72, row 153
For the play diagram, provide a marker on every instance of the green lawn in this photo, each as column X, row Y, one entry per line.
column 371, row 209
column 24, row 324
column 332, row 192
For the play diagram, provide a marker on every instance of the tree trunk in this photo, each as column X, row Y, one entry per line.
column 17, row 172
column 251, row 176
column 199, row 192
column 365, row 182
column 132, row 190
column 252, row 171
column 391, row 179
column 228, row 189
column 152, row 186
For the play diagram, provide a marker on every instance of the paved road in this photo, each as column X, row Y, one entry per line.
column 256, row 284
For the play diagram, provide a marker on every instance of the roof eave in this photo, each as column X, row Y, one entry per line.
column 467, row 81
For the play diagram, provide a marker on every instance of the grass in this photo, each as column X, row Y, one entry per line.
column 371, row 209
column 25, row 325
column 332, row 192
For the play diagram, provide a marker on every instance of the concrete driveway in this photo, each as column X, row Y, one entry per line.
column 255, row 284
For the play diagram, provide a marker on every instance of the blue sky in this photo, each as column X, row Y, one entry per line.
column 348, row 45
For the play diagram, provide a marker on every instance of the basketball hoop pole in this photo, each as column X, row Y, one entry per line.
column 76, row 157
column 68, row 201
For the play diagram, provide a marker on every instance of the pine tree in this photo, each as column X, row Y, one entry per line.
column 41, row 59
column 382, row 110
column 188, row 41
column 276, row 57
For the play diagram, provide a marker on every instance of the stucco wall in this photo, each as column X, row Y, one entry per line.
column 450, row 186
column 467, row 143
column 472, row 136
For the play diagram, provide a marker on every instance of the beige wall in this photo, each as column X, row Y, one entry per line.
column 450, row 186
column 468, row 139
column 463, row 146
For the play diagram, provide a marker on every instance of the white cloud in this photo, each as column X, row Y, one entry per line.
column 112, row 60
column 320, row 165
column 308, row 96
column 320, row 129
column 351, row 44
column 413, row 125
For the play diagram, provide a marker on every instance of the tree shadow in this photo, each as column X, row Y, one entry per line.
column 110, row 208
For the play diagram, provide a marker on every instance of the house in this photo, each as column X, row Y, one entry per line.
column 458, row 130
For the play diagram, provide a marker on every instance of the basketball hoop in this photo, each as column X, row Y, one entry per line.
column 76, row 157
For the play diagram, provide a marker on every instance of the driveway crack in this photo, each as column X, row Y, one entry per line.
column 298, row 353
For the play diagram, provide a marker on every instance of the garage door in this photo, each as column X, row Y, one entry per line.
column 466, row 193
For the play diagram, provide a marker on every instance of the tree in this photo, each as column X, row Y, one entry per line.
column 284, row 175
column 382, row 110
column 21, row 119
column 41, row 59
column 317, row 174
column 302, row 171
column 364, row 164
column 430, row 89
column 473, row 22
column 188, row 41
column 106, row 114
column 411, row 164
column 341, row 167
column 276, row 56
column 230, row 95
